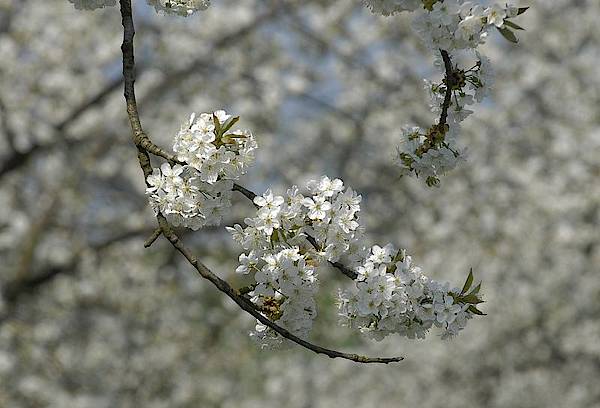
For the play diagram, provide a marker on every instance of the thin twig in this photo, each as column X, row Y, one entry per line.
column 249, row 194
column 144, row 160
column 148, row 243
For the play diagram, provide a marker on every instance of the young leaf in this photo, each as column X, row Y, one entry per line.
column 468, row 282
column 513, row 25
column 217, row 125
column 476, row 311
column 509, row 35
column 229, row 124
column 471, row 299
column 476, row 289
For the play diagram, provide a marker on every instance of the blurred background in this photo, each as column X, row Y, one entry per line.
column 89, row 318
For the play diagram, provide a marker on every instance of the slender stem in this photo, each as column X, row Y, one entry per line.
column 157, row 233
column 138, row 137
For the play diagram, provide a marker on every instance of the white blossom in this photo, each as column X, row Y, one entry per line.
column 198, row 193
column 393, row 296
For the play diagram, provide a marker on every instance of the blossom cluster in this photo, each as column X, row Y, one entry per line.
column 391, row 295
column 286, row 283
column 287, row 239
column 451, row 26
column 429, row 153
column 199, row 192
column 459, row 24
column 291, row 236
column 208, row 143
column 178, row 7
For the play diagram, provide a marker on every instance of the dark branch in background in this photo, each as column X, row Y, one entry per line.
column 29, row 283
column 17, row 159
column 144, row 160
column 6, row 128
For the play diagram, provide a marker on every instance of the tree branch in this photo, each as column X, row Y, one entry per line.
column 144, row 160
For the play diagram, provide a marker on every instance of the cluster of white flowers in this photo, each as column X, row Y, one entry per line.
column 285, row 287
column 459, row 24
column 179, row 7
column 391, row 295
column 430, row 153
column 209, row 145
column 418, row 154
column 198, row 193
column 287, row 240
column 449, row 25
column 291, row 236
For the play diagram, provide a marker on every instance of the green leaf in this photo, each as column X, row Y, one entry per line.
column 229, row 124
column 509, row 35
column 217, row 125
column 476, row 289
column 522, row 10
column 513, row 25
column 476, row 311
column 471, row 299
column 468, row 282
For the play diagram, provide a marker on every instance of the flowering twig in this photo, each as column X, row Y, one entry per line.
column 145, row 146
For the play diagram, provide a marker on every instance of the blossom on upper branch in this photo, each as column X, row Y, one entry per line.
column 449, row 26
column 178, row 7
